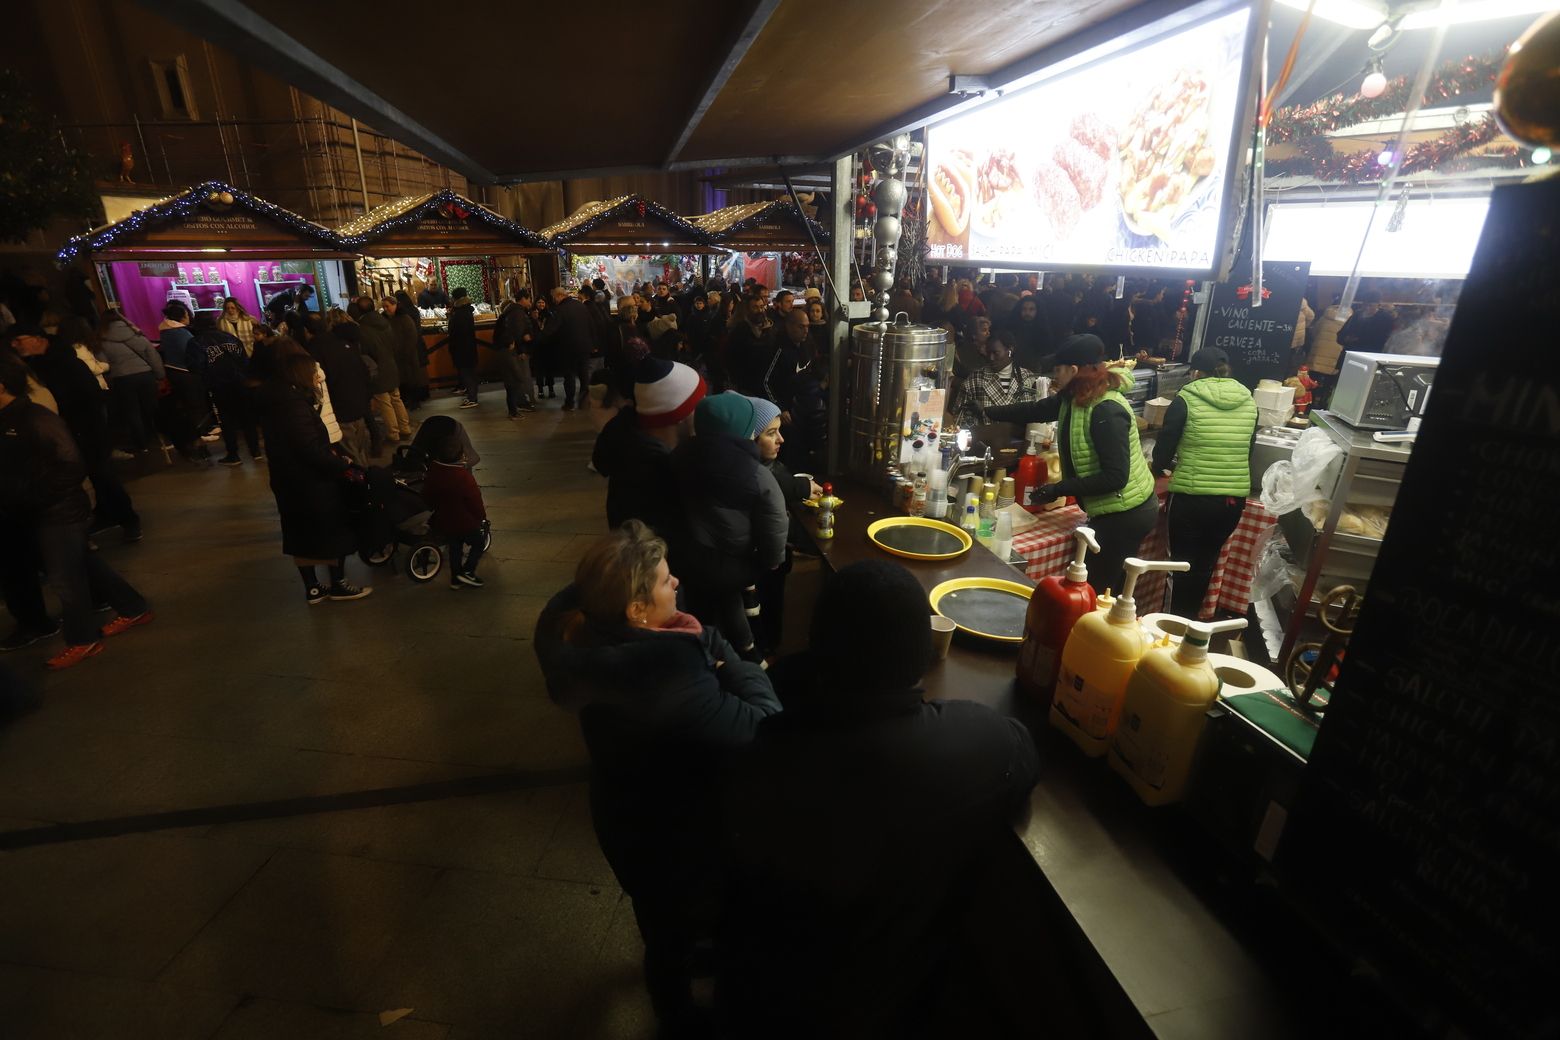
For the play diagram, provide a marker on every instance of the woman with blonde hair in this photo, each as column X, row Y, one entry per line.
column 236, row 322
column 661, row 700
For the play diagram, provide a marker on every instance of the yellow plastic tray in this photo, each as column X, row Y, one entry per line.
column 963, row 536
column 1023, row 591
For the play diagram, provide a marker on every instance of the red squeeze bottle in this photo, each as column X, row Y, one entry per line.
column 1055, row 607
column 1031, row 474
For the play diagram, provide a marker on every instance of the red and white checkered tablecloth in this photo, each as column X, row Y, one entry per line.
column 1048, row 547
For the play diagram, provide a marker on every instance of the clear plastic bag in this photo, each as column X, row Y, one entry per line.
column 1304, row 477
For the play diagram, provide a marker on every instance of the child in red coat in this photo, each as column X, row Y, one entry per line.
column 458, row 514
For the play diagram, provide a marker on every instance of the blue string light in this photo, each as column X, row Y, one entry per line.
column 590, row 217
column 185, row 204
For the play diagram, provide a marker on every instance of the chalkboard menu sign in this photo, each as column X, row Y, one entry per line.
column 1427, row 831
column 1257, row 339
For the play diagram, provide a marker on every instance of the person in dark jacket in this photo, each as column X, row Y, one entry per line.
column 411, row 359
column 512, row 336
column 750, row 348
column 855, row 823
column 571, row 332
column 84, row 407
column 346, row 377
column 1102, row 462
column 770, row 586
column 218, row 358
column 1032, row 349
column 377, row 339
column 306, row 479
column 463, row 343
column 737, row 522
column 634, row 450
column 662, row 701
column 134, row 370
column 41, row 472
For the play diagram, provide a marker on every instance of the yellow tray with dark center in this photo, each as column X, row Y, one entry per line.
column 917, row 538
column 990, row 608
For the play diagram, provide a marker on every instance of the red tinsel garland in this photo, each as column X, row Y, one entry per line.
column 1317, row 158
column 1468, row 75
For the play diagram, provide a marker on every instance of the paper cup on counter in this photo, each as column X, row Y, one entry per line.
column 942, row 636
column 1243, row 676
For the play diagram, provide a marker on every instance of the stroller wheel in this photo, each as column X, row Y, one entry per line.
column 378, row 557
column 487, row 536
column 424, row 562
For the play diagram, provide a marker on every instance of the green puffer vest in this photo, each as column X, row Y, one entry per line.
column 1085, row 463
column 1214, row 457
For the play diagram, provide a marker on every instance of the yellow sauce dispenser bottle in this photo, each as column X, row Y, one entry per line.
column 1097, row 661
column 1162, row 718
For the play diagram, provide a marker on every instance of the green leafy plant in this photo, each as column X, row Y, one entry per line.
column 41, row 178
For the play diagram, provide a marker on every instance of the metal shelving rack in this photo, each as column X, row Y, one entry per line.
column 1368, row 474
column 223, row 295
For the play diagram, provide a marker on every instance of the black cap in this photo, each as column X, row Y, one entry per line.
column 1082, row 349
column 25, row 328
column 1209, row 359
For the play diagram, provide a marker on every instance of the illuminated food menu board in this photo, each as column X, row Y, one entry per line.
column 1126, row 162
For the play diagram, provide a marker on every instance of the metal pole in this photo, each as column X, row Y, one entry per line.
column 357, row 146
column 1258, row 157
column 145, row 152
column 841, row 228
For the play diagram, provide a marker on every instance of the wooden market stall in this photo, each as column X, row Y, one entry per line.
column 432, row 243
column 206, row 244
column 625, row 239
column 758, row 234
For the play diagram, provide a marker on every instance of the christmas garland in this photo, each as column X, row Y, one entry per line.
column 1450, row 81
column 722, row 224
column 1318, row 159
column 184, row 204
column 393, row 216
column 586, row 219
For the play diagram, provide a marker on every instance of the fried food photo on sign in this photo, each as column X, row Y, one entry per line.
column 999, row 190
column 952, row 193
column 1165, row 153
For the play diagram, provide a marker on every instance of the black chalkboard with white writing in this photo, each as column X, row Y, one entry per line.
column 1427, row 831
column 1257, row 339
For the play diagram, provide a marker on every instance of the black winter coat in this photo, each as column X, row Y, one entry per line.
column 463, row 336
column 659, row 719
column 855, row 820
column 733, row 505
column 570, row 330
column 82, row 403
column 41, row 469
column 345, row 376
column 305, row 474
column 378, row 342
column 409, row 359
column 641, row 480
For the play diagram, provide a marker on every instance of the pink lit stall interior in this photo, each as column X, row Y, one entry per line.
column 142, row 287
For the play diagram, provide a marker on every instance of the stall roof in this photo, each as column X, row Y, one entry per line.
column 208, row 216
column 437, row 222
column 628, row 222
column 776, row 224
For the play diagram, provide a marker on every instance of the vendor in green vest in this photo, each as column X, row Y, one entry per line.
column 1102, row 462
column 1206, row 447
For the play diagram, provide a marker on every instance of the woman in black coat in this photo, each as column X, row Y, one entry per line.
column 306, row 478
column 662, row 701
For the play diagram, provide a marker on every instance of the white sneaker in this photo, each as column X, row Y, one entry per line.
column 468, row 404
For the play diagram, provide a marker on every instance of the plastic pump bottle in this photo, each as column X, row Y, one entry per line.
column 1054, row 609
column 1097, row 661
column 1031, row 476
column 1164, row 712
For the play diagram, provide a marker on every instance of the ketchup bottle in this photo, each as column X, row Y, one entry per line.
column 1055, row 607
column 1031, row 474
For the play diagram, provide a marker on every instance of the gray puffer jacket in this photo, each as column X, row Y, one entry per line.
column 128, row 352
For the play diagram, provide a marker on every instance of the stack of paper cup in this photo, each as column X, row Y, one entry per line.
column 937, row 495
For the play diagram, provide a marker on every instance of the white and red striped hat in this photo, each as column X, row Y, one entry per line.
column 665, row 392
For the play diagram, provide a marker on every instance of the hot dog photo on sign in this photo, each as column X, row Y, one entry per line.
column 1119, row 163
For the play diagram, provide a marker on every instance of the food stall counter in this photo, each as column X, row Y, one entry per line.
column 1175, row 964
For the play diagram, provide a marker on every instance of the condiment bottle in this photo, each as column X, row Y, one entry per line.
column 918, row 492
column 1055, row 606
column 826, row 512
column 1097, row 662
column 988, row 511
column 971, row 517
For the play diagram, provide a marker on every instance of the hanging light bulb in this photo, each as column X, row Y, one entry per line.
column 1540, row 156
column 1385, row 158
column 1375, row 82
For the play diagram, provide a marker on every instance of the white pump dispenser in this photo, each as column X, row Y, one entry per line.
column 1194, row 644
column 1083, row 542
column 1124, row 610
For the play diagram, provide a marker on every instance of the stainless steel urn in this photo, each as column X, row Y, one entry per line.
column 888, row 361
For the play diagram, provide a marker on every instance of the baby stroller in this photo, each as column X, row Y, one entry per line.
column 391, row 512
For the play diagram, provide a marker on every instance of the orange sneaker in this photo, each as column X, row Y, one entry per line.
column 73, row 655
column 122, row 623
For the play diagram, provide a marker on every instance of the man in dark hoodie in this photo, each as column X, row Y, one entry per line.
column 346, row 377
column 463, row 343
column 218, row 358
column 634, row 450
column 855, row 820
column 377, row 339
column 572, row 334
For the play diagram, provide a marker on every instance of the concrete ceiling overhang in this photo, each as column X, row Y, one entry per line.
column 507, row 92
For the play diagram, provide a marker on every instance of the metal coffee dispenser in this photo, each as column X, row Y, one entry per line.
column 890, row 360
